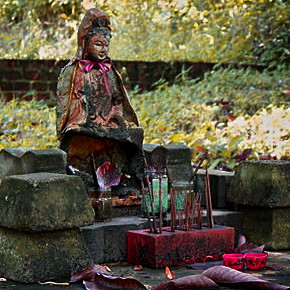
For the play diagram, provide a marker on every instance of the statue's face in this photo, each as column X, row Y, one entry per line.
column 98, row 47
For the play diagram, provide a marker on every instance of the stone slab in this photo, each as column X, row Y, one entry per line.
column 167, row 154
column 28, row 258
column 106, row 240
column 42, row 201
column 261, row 183
column 15, row 161
column 267, row 225
column 179, row 247
column 179, row 172
column 219, row 184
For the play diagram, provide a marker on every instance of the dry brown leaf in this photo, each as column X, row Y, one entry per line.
column 188, row 282
column 226, row 276
column 96, row 277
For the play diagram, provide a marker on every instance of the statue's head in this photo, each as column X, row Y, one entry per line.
column 94, row 35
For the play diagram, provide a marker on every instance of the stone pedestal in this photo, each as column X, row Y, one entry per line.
column 40, row 216
column 261, row 189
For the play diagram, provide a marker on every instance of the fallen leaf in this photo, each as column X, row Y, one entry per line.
column 188, row 282
column 54, row 283
column 249, row 247
column 97, row 277
column 138, row 268
column 88, row 273
column 226, row 276
column 168, row 274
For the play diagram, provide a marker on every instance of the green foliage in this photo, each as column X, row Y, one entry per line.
column 190, row 112
column 176, row 114
column 28, row 124
column 247, row 90
column 236, row 31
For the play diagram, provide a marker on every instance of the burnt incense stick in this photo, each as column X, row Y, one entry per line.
column 146, row 207
column 198, row 211
column 208, row 200
column 151, row 198
column 160, row 203
column 172, row 210
column 202, row 158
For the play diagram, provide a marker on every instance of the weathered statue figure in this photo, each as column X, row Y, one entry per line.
column 95, row 120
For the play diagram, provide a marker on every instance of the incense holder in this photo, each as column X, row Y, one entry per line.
column 179, row 247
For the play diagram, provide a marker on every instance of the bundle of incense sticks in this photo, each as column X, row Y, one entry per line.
column 149, row 208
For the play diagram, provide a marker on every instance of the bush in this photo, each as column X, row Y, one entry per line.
column 28, row 124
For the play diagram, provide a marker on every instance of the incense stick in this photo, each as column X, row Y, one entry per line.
column 208, row 200
column 160, row 203
column 146, row 206
column 151, row 198
column 172, row 210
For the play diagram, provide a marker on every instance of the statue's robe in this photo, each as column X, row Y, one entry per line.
column 95, row 120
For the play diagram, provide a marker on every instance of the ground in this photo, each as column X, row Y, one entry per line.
column 151, row 277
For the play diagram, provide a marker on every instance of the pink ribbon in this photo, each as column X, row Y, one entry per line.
column 103, row 67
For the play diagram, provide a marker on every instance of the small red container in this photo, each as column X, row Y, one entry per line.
column 256, row 261
column 234, row 261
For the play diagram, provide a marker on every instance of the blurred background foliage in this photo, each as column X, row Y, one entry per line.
column 238, row 31
column 234, row 113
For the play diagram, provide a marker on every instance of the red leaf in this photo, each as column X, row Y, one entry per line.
column 88, row 273
column 249, row 247
column 97, row 277
column 226, row 276
column 106, row 176
column 188, row 282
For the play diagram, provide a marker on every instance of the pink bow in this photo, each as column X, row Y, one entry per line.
column 104, row 68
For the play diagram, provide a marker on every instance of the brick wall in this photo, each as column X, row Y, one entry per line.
column 24, row 78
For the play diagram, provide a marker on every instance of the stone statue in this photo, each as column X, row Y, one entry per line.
column 95, row 120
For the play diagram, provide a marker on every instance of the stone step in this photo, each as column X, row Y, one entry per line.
column 107, row 240
column 40, row 202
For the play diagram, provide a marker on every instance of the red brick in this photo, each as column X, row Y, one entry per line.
column 13, row 75
column 32, row 75
column 7, row 86
column 21, row 86
column 42, row 96
column 179, row 247
column 39, row 86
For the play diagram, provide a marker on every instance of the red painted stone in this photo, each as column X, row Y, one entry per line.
column 179, row 247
